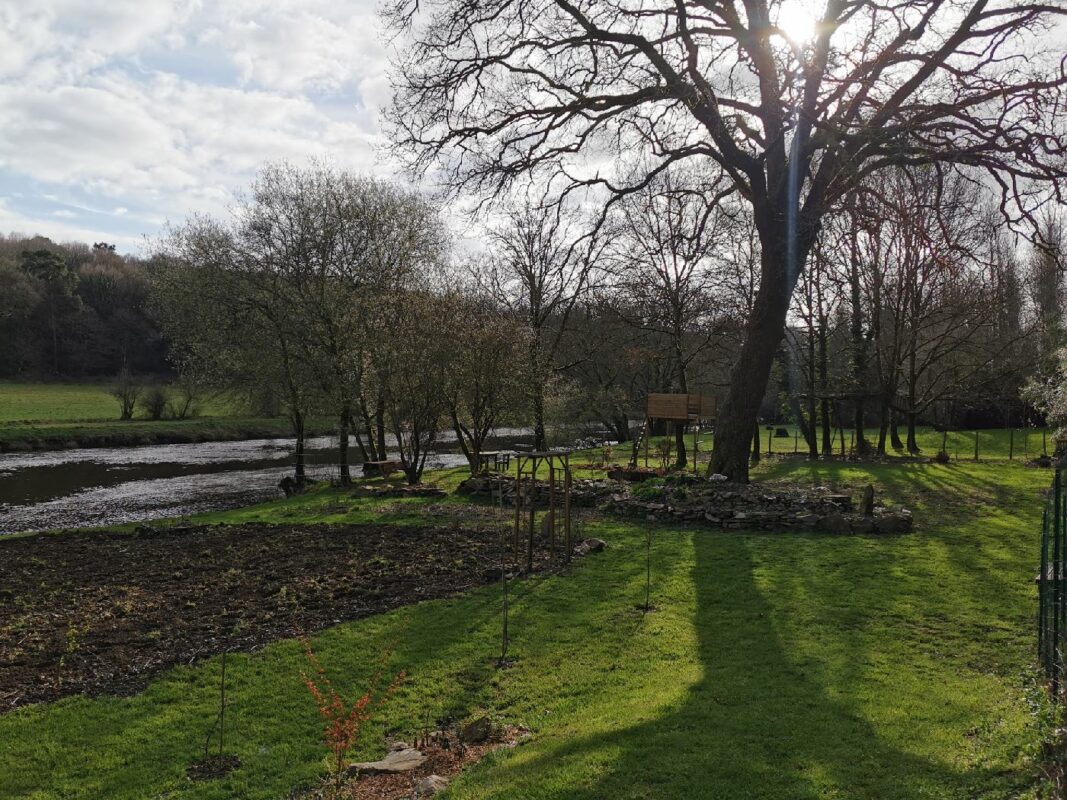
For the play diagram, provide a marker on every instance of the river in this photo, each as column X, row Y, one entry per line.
column 107, row 486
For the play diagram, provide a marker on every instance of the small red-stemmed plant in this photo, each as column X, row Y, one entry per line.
column 343, row 721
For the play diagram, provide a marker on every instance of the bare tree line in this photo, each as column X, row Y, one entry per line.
column 327, row 291
column 342, row 296
column 595, row 100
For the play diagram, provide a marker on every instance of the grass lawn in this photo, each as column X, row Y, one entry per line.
column 134, row 433
column 47, row 416
column 775, row 666
column 74, row 402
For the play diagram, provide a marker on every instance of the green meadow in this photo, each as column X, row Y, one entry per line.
column 773, row 666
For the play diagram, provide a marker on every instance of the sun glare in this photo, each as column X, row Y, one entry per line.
column 796, row 19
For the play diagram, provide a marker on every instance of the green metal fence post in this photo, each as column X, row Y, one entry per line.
column 1057, row 591
column 1042, row 597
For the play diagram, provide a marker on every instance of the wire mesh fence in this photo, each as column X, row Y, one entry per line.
column 1051, row 589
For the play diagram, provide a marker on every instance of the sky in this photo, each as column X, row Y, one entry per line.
column 117, row 116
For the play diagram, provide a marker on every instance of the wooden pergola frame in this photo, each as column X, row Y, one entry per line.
column 557, row 521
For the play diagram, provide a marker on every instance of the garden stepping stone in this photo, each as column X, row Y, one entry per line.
column 394, row 761
column 431, row 785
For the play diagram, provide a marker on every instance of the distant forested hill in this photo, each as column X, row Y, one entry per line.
column 74, row 310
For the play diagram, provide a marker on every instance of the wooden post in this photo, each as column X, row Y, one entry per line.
column 1011, row 444
column 567, row 505
column 222, row 703
column 503, row 577
column 976, row 444
column 533, row 517
column 648, row 435
column 769, row 441
column 796, row 440
column 552, row 504
column 518, row 509
column 1057, row 589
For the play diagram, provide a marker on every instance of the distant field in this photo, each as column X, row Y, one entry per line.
column 74, row 402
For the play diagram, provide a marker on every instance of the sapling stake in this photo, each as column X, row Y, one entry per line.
column 503, row 573
column 222, row 703
column 648, row 568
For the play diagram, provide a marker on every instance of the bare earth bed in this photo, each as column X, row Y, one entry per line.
column 102, row 613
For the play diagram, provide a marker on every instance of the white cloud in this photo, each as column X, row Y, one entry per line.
column 14, row 221
column 158, row 108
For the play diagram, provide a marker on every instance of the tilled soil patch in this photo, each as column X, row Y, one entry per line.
column 102, row 613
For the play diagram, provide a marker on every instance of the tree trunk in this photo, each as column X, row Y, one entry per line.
column 863, row 447
column 679, row 440
column 752, row 369
column 883, row 424
column 913, row 379
column 540, row 441
column 379, row 421
column 894, row 431
column 619, row 427
column 913, row 442
column 299, row 472
column 802, row 424
column 362, row 447
column 470, row 453
column 840, row 425
column 342, row 445
column 810, row 434
column 824, row 401
column 755, row 455
column 370, row 448
column 859, row 349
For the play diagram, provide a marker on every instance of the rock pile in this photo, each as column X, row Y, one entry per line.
column 583, row 492
column 631, row 475
column 732, row 506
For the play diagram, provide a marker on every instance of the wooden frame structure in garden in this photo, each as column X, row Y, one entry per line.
column 555, row 497
column 672, row 408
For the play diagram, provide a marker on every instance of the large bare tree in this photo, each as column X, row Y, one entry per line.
column 539, row 270
column 597, row 97
column 660, row 260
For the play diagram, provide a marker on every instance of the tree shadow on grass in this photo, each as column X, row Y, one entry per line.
column 760, row 722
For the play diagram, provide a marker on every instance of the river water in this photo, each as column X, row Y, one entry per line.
column 107, row 486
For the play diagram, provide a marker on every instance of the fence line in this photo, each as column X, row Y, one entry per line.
column 1052, row 594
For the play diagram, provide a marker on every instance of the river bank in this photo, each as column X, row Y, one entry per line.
column 93, row 487
column 21, row 437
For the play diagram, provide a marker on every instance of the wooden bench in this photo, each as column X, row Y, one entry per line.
column 495, row 459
